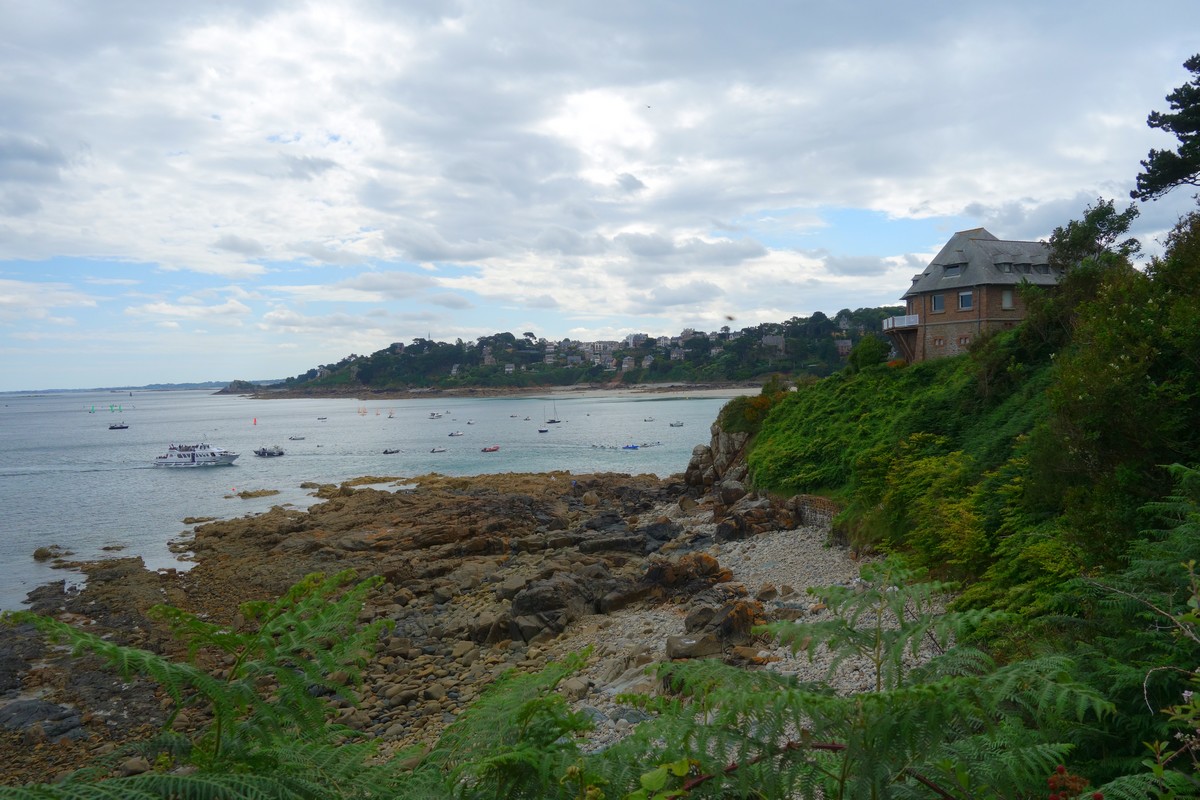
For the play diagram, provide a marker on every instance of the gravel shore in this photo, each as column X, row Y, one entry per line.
column 780, row 566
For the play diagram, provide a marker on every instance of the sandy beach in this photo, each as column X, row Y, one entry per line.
column 716, row 390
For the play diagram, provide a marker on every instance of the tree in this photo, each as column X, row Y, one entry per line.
column 1163, row 170
column 1097, row 234
column 870, row 350
column 1086, row 252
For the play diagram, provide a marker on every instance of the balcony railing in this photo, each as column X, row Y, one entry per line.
column 907, row 321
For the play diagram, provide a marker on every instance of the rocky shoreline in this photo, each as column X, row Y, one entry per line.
column 481, row 574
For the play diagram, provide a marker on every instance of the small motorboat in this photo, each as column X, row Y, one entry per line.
column 456, row 433
column 438, row 450
column 491, row 448
column 269, row 452
column 676, row 424
column 648, row 419
column 543, row 430
column 392, row 451
column 322, row 418
column 296, row 438
column 630, row 447
column 118, row 426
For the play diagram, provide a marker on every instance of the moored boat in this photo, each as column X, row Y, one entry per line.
column 195, row 455
column 438, row 450
column 491, row 448
column 676, row 424
column 269, row 452
column 118, row 426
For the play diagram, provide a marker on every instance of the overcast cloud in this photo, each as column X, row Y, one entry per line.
column 250, row 189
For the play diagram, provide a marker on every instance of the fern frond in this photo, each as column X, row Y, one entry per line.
column 1144, row 784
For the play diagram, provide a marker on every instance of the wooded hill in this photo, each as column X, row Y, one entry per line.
column 797, row 346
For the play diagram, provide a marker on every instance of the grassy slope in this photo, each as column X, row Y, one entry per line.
column 923, row 463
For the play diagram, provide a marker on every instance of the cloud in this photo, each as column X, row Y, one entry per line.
column 97, row 281
column 306, row 167
column 29, row 300
column 190, row 308
column 630, row 183
column 687, row 294
column 26, row 159
column 857, row 266
column 658, row 254
column 236, row 244
column 328, row 255
column 454, row 301
column 366, row 287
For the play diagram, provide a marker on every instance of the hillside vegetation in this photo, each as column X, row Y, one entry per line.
column 797, row 346
column 1051, row 471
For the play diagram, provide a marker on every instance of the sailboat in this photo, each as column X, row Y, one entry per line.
column 554, row 420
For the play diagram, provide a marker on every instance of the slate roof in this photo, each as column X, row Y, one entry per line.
column 981, row 260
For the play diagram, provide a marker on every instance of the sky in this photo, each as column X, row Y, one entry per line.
column 247, row 190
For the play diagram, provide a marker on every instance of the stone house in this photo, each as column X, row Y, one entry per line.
column 774, row 340
column 969, row 287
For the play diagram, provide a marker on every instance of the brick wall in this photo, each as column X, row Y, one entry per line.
column 952, row 330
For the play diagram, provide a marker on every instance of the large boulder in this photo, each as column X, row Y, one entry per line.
column 693, row 646
column 688, row 574
column 731, row 624
column 54, row 721
column 550, row 604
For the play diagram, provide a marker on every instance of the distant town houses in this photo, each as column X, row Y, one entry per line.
column 816, row 343
column 606, row 353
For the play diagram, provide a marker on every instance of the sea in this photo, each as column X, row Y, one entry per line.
column 68, row 479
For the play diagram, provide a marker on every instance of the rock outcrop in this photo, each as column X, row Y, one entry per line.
column 481, row 574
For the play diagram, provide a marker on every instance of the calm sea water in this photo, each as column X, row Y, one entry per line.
column 66, row 479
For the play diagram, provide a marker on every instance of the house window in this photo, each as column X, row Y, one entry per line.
column 937, row 303
column 963, row 341
column 1005, row 267
column 965, row 301
column 938, row 341
column 1006, row 299
column 952, row 270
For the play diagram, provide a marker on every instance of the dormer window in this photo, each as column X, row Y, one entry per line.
column 1005, row 267
column 952, row 270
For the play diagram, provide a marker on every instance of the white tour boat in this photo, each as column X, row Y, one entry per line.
column 195, row 455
